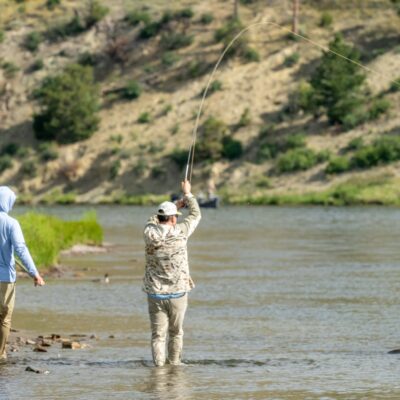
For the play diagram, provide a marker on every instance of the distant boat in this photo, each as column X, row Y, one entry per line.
column 204, row 202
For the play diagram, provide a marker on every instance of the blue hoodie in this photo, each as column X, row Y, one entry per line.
column 11, row 239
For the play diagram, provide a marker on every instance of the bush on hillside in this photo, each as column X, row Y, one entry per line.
column 175, row 40
column 382, row 151
column 206, row 18
column 51, row 4
column 231, row 148
column 355, row 144
column 96, row 13
column 378, row 107
column 169, row 58
column 47, row 152
column 337, row 83
column 179, row 156
column 209, row 146
column 69, row 106
column 326, row 20
column 32, row 41
column 291, row 60
column 245, row 118
column 136, row 17
column 299, row 159
column 6, row 162
column 338, row 165
column 2, row 36
column 9, row 68
column 132, row 90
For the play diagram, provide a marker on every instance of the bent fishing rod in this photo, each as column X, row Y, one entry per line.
column 190, row 160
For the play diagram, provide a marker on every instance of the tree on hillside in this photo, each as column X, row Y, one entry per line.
column 337, row 83
column 69, row 106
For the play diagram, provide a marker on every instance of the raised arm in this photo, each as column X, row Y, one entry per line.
column 190, row 223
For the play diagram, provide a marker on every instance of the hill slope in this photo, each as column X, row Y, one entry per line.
column 127, row 158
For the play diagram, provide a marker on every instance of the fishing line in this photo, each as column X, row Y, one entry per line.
column 190, row 161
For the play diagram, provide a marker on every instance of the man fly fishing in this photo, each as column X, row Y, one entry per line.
column 167, row 279
column 11, row 240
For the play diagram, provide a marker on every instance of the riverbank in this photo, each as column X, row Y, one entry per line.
column 377, row 190
column 46, row 235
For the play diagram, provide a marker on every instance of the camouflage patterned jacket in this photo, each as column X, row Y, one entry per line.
column 167, row 267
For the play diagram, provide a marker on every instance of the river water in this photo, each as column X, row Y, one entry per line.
column 290, row 303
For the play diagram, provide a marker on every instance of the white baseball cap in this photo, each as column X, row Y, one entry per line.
column 168, row 208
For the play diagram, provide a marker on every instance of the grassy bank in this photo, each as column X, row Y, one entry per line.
column 46, row 235
column 379, row 191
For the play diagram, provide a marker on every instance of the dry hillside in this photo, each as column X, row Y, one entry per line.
column 126, row 158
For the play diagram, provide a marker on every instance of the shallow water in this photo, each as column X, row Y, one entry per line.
column 290, row 303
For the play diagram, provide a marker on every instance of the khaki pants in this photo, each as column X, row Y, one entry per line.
column 7, row 300
column 166, row 317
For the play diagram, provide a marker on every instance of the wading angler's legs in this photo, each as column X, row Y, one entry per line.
column 159, row 328
column 177, row 310
column 7, row 300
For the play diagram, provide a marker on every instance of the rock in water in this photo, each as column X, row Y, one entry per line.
column 36, row 371
column 71, row 345
column 395, row 351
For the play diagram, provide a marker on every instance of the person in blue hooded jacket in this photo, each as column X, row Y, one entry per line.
column 11, row 240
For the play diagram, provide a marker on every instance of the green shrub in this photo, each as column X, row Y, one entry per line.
column 355, row 144
column 263, row 183
column 69, row 106
column 47, row 152
column 209, row 145
column 46, row 235
column 96, row 13
column 395, row 85
column 5, row 162
column 175, row 129
column 245, row 118
column 155, row 148
column 10, row 69
column 206, row 18
column 114, row 169
column 185, row 13
column 231, row 148
column 382, row 151
column 167, row 109
column 52, row 4
column 298, row 160
column 73, row 27
column 10, row 149
column 294, row 141
column 140, row 168
column 175, row 40
column 157, row 171
column 87, row 59
column 304, row 98
column 136, row 17
column 215, row 86
column 337, row 165
column 144, row 118
column 326, row 20
column 337, row 84
column 378, row 107
column 197, row 68
column 150, row 30
column 169, row 58
column 132, row 90
column 179, row 156
column 291, row 60
column 266, row 131
column 37, row 65
column 250, row 54
column 2, row 36
column 265, row 152
column 28, row 168
column 32, row 41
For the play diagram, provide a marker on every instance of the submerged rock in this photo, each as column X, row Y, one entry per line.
column 40, row 349
column 36, row 371
column 395, row 351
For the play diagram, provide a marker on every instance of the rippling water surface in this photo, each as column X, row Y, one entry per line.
column 290, row 303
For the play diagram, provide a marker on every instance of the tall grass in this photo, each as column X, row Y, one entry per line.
column 47, row 235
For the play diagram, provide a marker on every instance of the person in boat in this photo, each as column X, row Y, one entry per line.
column 167, row 278
column 11, row 240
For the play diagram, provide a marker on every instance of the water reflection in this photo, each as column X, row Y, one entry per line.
column 169, row 382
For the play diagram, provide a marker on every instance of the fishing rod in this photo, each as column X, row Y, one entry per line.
column 190, row 160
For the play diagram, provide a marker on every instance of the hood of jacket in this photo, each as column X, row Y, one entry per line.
column 7, row 199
